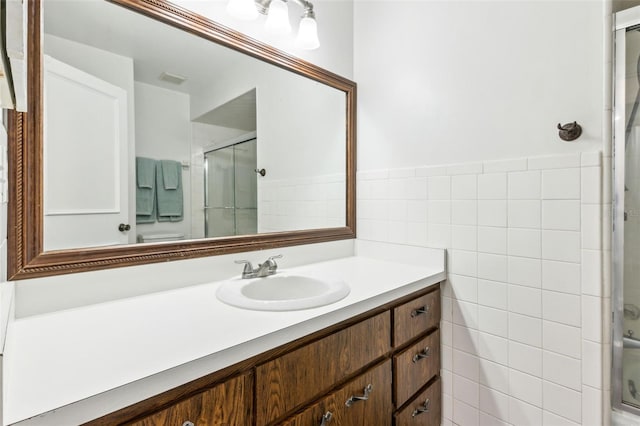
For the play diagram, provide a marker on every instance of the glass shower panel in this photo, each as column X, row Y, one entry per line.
column 246, row 188
column 626, row 235
column 231, row 195
column 219, row 197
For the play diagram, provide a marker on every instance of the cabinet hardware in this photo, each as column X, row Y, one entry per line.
column 353, row 399
column 124, row 227
column 326, row 418
column 425, row 353
column 421, row 409
column 188, row 423
column 419, row 311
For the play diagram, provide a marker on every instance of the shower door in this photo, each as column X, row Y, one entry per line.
column 626, row 214
column 231, row 201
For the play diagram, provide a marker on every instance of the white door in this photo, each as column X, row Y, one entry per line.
column 85, row 159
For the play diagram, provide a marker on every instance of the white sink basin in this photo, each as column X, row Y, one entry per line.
column 282, row 292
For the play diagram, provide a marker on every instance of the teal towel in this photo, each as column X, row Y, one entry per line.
column 170, row 174
column 169, row 201
column 145, row 189
column 147, row 218
column 145, row 172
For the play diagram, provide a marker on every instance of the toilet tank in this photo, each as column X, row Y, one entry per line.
column 159, row 237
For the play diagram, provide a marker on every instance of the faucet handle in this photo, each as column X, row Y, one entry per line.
column 248, row 267
column 271, row 262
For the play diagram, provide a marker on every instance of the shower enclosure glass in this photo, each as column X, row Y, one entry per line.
column 626, row 214
column 231, row 201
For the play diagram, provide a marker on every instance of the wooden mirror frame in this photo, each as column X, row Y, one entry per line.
column 26, row 258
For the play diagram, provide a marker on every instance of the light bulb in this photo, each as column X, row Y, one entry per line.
column 278, row 18
column 242, row 9
column 308, row 34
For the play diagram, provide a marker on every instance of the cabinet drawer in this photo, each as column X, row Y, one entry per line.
column 229, row 403
column 299, row 376
column 424, row 410
column 416, row 316
column 416, row 365
column 376, row 410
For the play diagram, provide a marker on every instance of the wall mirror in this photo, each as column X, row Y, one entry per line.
column 154, row 134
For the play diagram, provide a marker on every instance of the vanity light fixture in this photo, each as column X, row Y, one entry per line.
column 278, row 18
column 277, row 21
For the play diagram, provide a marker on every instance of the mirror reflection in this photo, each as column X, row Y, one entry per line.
column 154, row 134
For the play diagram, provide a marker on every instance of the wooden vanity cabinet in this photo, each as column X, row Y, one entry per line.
column 416, row 361
column 290, row 380
column 386, row 362
column 229, row 403
column 364, row 401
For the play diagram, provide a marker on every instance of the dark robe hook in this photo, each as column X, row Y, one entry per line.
column 570, row 131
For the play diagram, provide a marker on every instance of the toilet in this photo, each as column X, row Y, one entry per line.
column 159, row 237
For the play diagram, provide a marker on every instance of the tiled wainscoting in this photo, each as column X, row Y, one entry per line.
column 302, row 203
column 522, row 328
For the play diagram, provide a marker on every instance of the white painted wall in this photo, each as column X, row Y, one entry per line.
column 313, row 134
column 6, row 288
column 335, row 30
column 456, row 81
column 163, row 132
column 455, row 86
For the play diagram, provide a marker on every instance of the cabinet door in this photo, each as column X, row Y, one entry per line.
column 343, row 408
column 227, row 404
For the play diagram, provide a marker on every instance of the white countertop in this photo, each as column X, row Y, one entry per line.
column 71, row 366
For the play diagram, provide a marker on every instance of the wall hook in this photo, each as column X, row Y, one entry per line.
column 570, row 131
column 261, row 172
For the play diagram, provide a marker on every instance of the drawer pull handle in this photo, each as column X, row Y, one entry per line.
column 419, row 311
column 326, row 418
column 353, row 399
column 188, row 423
column 425, row 353
column 421, row 409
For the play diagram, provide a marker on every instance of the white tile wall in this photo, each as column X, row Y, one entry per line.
column 525, row 358
column 318, row 202
column 524, row 271
column 522, row 333
column 494, row 406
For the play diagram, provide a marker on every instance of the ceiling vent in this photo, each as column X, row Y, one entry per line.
column 172, row 78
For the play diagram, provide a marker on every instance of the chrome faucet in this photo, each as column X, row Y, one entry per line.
column 269, row 267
